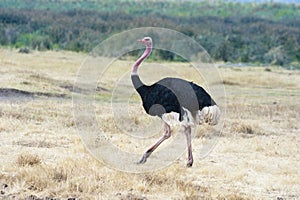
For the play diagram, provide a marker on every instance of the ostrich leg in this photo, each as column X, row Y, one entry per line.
column 166, row 135
column 187, row 132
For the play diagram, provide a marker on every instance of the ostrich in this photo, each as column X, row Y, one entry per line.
column 174, row 96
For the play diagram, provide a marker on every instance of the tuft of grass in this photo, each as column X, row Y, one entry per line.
column 227, row 82
column 193, row 191
column 27, row 159
column 234, row 196
column 267, row 70
column 60, row 174
column 130, row 196
column 205, row 130
column 244, row 128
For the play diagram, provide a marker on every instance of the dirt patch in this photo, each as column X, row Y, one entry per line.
column 12, row 94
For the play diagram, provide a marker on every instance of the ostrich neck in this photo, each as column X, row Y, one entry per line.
column 140, row 60
column 136, row 81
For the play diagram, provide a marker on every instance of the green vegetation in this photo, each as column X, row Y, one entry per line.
column 231, row 32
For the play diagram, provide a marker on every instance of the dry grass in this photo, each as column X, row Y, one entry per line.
column 41, row 155
column 27, row 159
column 240, row 127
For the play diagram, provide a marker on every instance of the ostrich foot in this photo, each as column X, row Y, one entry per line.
column 144, row 158
column 189, row 163
column 142, row 161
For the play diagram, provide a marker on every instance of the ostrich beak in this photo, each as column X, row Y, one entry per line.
column 141, row 41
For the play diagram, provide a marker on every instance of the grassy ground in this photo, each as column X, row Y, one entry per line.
column 42, row 156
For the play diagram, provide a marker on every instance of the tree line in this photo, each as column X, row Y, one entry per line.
column 235, row 37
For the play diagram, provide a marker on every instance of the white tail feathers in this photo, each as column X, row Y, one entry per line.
column 210, row 115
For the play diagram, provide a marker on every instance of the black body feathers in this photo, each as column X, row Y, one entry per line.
column 172, row 94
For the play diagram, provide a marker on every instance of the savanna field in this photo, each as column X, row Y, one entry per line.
column 257, row 156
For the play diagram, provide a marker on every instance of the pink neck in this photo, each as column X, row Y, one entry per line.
column 140, row 60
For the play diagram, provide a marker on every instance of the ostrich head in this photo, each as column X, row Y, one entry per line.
column 146, row 41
